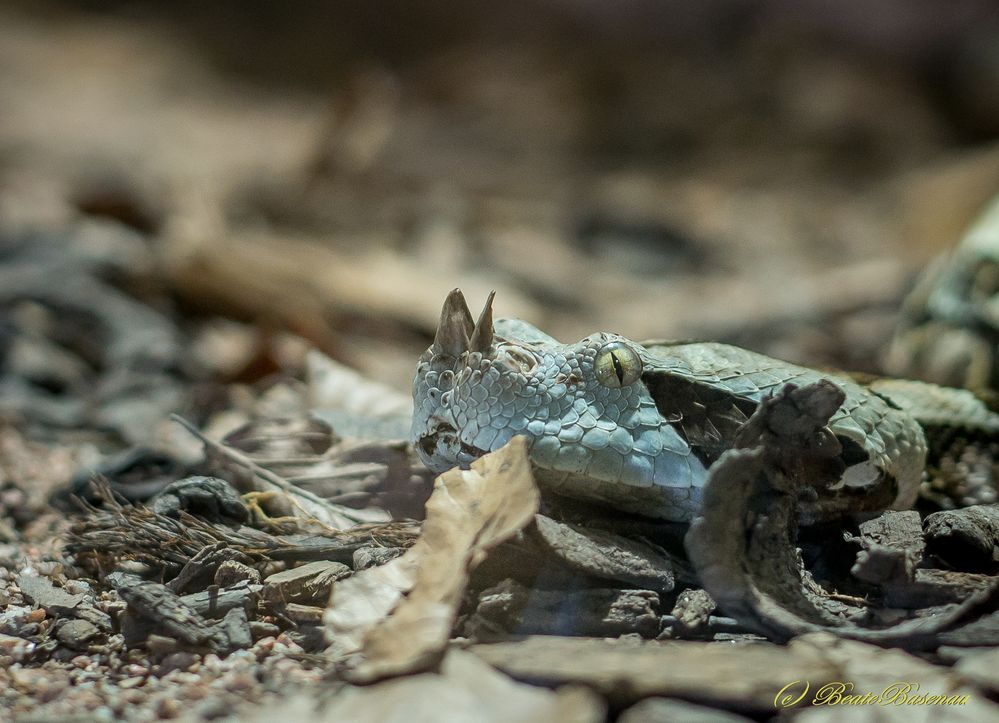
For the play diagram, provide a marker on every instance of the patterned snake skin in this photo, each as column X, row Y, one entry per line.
column 636, row 426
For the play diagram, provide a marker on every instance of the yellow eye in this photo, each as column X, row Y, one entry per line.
column 617, row 365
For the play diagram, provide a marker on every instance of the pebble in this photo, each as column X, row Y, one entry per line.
column 168, row 707
column 181, row 660
column 77, row 634
column 16, row 648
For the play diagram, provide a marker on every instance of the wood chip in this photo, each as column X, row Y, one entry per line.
column 309, row 583
column 744, row 676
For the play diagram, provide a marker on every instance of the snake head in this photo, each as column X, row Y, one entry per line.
column 583, row 406
column 458, row 344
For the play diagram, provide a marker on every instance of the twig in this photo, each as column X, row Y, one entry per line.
column 240, row 459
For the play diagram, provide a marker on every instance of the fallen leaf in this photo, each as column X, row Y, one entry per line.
column 469, row 512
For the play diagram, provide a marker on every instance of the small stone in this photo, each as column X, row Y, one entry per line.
column 260, row 630
column 160, row 644
column 16, row 648
column 665, row 710
column 168, row 707
column 181, row 660
column 77, row 634
column 214, row 708
column 40, row 591
column 77, row 587
column 133, row 669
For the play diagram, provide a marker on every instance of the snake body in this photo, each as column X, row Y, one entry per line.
column 636, row 426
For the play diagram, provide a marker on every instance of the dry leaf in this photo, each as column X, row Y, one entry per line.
column 334, row 386
column 469, row 512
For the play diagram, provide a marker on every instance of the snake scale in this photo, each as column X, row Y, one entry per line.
column 636, row 426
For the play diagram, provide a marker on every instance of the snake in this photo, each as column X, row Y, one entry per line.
column 636, row 426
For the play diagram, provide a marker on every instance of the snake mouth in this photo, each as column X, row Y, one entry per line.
column 446, row 435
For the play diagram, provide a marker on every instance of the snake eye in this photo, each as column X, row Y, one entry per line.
column 617, row 365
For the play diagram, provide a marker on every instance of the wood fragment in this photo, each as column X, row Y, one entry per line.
column 742, row 544
column 692, row 613
column 602, row 612
column 605, row 555
column 308, row 584
column 967, row 538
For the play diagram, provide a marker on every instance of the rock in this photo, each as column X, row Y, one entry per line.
column 236, row 628
column 667, row 710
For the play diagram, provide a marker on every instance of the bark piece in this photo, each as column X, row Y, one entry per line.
column 309, row 614
column 692, row 612
column 200, row 570
column 935, row 587
column 307, row 584
column 605, row 555
column 983, row 631
column 743, row 541
column 892, row 548
column 601, row 612
column 154, row 608
column 156, row 612
column 966, row 538
column 745, row 677
column 215, row 602
column 367, row 557
column 465, row 690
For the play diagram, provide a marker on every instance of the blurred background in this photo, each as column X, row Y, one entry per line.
column 774, row 174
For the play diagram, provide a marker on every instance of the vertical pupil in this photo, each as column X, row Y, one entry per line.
column 618, row 369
